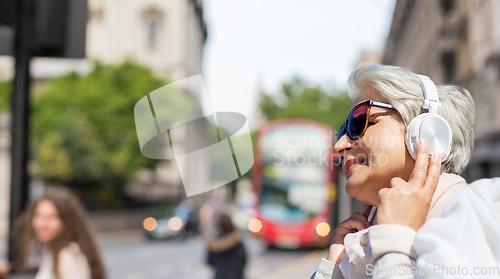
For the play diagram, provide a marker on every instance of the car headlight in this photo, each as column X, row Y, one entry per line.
column 150, row 224
column 175, row 223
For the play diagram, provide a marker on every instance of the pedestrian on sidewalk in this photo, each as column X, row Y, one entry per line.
column 226, row 253
column 57, row 228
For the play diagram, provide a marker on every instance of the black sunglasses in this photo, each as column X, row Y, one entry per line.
column 357, row 119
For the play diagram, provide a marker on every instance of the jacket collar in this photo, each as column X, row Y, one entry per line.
column 447, row 185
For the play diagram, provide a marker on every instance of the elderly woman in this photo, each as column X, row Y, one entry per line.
column 408, row 190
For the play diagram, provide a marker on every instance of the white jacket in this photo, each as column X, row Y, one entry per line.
column 72, row 264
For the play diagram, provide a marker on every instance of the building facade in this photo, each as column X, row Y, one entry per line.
column 456, row 41
column 166, row 36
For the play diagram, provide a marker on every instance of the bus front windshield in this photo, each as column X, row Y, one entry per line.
column 294, row 172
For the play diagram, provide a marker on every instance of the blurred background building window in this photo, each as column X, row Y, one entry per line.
column 152, row 35
column 449, row 66
column 448, row 5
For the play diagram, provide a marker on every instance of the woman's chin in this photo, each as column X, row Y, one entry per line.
column 352, row 189
column 45, row 238
column 360, row 189
column 356, row 187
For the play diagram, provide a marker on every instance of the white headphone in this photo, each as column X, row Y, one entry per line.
column 430, row 126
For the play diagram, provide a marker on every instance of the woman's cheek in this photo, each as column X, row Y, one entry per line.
column 57, row 227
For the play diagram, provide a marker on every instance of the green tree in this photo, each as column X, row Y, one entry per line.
column 83, row 130
column 5, row 93
column 299, row 100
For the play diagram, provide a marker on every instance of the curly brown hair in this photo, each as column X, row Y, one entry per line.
column 77, row 228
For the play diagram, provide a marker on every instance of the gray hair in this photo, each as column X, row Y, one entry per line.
column 401, row 88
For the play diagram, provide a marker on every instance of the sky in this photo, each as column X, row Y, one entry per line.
column 255, row 45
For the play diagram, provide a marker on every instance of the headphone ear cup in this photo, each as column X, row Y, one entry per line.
column 432, row 127
column 411, row 137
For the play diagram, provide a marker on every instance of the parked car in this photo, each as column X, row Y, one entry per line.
column 182, row 223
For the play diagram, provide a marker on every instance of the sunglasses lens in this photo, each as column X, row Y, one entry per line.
column 341, row 131
column 357, row 121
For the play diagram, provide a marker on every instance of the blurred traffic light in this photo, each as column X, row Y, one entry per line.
column 7, row 12
column 58, row 27
column 49, row 27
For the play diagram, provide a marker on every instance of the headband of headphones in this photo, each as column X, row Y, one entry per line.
column 431, row 100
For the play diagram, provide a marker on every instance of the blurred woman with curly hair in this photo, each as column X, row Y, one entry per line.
column 57, row 228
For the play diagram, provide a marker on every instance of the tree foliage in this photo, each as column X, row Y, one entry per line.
column 83, row 130
column 5, row 93
column 299, row 100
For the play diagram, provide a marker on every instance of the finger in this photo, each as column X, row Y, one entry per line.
column 421, row 163
column 361, row 218
column 352, row 224
column 365, row 210
column 356, row 224
column 397, row 182
column 433, row 173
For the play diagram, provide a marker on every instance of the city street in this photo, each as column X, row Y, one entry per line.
column 131, row 256
column 126, row 121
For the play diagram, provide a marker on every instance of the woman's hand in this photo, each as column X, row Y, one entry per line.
column 407, row 203
column 357, row 222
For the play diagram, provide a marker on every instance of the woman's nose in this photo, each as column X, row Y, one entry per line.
column 342, row 145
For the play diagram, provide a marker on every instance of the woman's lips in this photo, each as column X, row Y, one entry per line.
column 354, row 165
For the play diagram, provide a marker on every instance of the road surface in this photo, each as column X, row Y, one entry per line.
column 130, row 256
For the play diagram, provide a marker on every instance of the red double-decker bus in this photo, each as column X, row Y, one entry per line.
column 294, row 179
